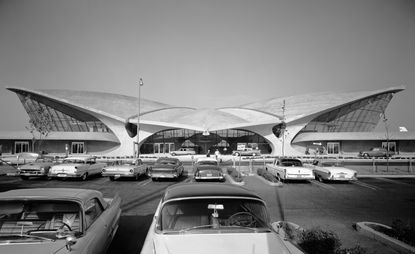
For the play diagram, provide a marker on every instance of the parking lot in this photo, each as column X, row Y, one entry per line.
column 333, row 206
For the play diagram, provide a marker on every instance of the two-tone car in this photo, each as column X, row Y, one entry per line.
column 125, row 169
column 332, row 170
column 289, row 169
column 57, row 220
column 38, row 168
column 207, row 168
column 213, row 218
column 166, row 167
column 77, row 167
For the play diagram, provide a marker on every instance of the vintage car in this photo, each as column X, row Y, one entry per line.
column 332, row 170
column 57, row 220
column 77, row 167
column 289, row 169
column 207, row 168
column 183, row 151
column 125, row 169
column 247, row 152
column 38, row 168
column 20, row 158
column 166, row 167
column 213, row 218
column 376, row 152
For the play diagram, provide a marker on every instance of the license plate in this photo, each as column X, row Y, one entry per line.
column 341, row 176
column 208, row 174
column 62, row 175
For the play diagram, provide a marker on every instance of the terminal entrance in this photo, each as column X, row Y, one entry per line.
column 225, row 141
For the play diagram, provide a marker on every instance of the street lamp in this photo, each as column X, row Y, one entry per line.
column 140, row 84
column 385, row 121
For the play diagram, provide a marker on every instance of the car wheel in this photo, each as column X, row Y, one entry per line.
column 112, row 178
column 84, row 176
column 237, row 154
column 137, row 176
column 320, row 179
column 24, row 177
column 365, row 155
column 153, row 179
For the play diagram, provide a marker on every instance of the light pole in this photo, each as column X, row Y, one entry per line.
column 385, row 121
column 140, row 84
column 283, row 127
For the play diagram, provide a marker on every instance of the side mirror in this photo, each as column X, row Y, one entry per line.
column 70, row 240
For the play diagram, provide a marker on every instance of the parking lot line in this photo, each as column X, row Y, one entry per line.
column 391, row 181
column 322, row 185
column 144, row 183
column 365, row 185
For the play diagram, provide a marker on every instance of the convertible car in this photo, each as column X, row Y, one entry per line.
column 332, row 170
column 125, row 169
column 166, row 168
column 77, row 167
column 207, row 168
column 57, row 220
column 213, row 218
column 38, row 168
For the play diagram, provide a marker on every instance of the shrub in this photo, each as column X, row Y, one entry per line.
column 236, row 176
column 318, row 241
column 404, row 232
column 267, row 175
column 355, row 250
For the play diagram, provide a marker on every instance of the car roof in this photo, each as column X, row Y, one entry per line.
column 190, row 190
column 206, row 159
column 167, row 159
column 81, row 195
column 79, row 157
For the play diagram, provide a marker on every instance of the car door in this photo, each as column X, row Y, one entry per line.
column 97, row 232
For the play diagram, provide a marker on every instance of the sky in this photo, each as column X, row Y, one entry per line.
column 208, row 53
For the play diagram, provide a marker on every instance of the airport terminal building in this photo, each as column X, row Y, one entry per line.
column 85, row 122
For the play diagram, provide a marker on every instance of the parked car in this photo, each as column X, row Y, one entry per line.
column 247, row 152
column 125, row 169
column 77, row 167
column 289, row 169
column 57, row 220
column 332, row 170
column 183, row 151
column 166, row 168
column 38, row 168
column 207, row 168
column 376, row 152
column 213, row 218
column 20, row 158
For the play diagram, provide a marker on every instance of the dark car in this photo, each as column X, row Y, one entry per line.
column 376, row 152
column 207, row 168
column 166, row 167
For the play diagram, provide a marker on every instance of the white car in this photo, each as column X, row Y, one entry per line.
column 183, row 151
column 213, row 218
column 289, row 169
column 207, row 168
column 77, row 167
column 125, row 169
column 332, row 170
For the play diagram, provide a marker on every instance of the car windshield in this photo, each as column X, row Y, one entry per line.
column 291, row 163
column 166, row 162
column 332, row 164
column 213, row 215
column 70, row 161
column 212, row 163
column 38, row 220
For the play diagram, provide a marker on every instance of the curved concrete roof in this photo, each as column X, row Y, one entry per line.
column 122, row 107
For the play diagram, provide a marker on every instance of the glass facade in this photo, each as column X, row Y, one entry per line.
column 359, row 116
column 60, row 120
column 224, row 140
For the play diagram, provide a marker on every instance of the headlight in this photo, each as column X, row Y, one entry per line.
column 42, row 169
column 103, row 170
column 131, row 170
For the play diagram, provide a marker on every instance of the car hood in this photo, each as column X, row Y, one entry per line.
column 241, row 243
column 34, row 247
column 36, row 165
column 163, row 166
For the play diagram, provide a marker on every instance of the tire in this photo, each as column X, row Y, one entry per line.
column 112, row 178
column 153, row 179
column 365, row 155
column 84, row 177
column 320, row 179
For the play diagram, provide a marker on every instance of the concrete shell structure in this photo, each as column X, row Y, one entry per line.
column 289, row 125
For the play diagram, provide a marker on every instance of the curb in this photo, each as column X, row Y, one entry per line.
column 279, row 184
column 385, row 239
column 230, row 179
column 385, row 176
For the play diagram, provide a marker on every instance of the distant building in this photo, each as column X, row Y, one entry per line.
column 106, row 124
